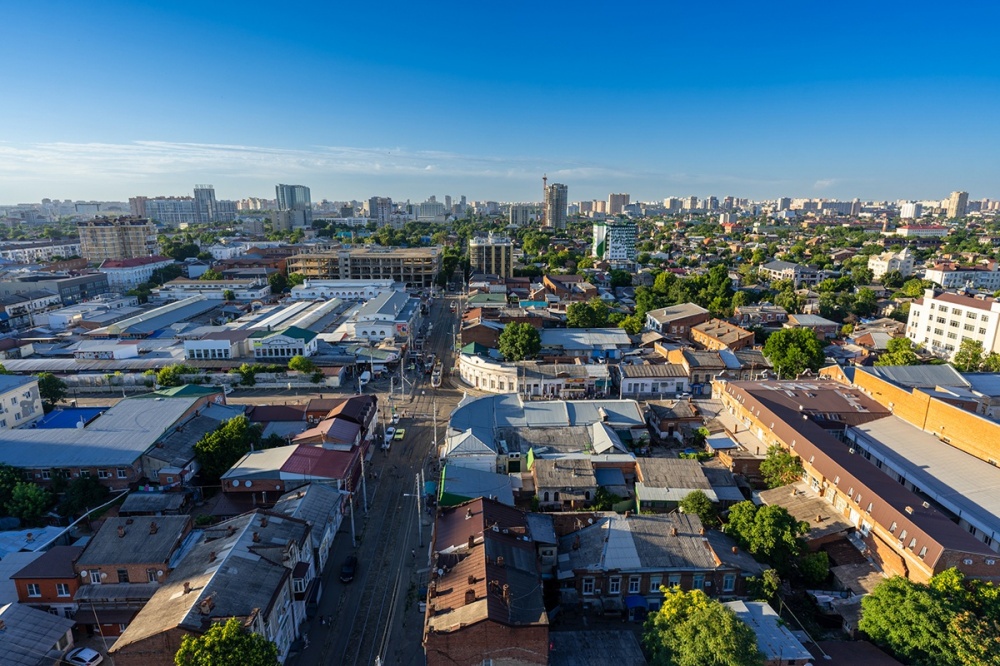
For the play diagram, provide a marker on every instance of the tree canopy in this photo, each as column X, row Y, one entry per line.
column 592, row 314
column 969, row 357
column 793, row 350
column 697, row 503
column 769, row 533
column 691, row 629
column 218, row 450
column 519, row 341
column 949, row 621
column 780, row 467
column 301, row 364
column 228, row 644
column 51, row 389
column 899, row 352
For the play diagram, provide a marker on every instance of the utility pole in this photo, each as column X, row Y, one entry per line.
column 417, row 495
column 354, row 540
column 364, row 484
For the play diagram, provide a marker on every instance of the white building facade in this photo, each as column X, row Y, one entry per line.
column 941, row 320
column 880, row 264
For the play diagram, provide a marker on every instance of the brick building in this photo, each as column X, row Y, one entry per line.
column 716, row 334
column 484, row 600
column 676, row 320
column 50, row 582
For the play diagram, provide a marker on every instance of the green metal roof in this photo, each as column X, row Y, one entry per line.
column 183, row 391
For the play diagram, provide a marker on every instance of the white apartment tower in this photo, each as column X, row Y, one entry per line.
column 957, row 204
column 941, row 320
column 615, row 241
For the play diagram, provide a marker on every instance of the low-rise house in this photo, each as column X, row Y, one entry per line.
column 265, row 475
column 462, row 484
column 667, row 417
column 210, row 585
column 954, row 276
column 334, row 433
column 759, row 314
column 717, row 334
column 18, row 311
column 638, row 380
column 701, row 368
column 621, row 556
column 50, row 582
column 391, row 314
column 805, row 505
column 676, row 320
column 593, row 343
column 126, row 274
column 564, row 484
column 484, row 600
column 218, row 346
column 786, row 270
column 779, row 646
column 661, row 484
column 821, row 326
column 32, row 637
column 123, row 565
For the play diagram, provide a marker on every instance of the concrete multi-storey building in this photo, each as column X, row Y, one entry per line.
column 380, row 210
column 617, row 203
column 492, row 255
column 952, row 276
column 786, row 270
column 958, row 203
column 125, row 274
column 556, row 201
column 880, row 264
column 117, row 238
column 31, row 251
column 520, row 214
column 922, row 231
column 615, row 241
column 941, row 320
column 414, row 266
column 294, row 207
column 910, row 210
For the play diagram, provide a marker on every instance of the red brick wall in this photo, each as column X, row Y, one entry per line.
column 472, row 645
column 48, row 590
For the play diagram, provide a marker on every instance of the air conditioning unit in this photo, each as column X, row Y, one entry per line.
column 513, row 456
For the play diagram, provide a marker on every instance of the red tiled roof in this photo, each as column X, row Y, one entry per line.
column 319, row 462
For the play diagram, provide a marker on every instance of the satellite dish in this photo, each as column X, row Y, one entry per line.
column 248, row 483
column 104, row 575
column 160, row 572
column 83, row 574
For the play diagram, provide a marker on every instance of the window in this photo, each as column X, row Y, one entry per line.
column 102, row 474
column 923, row 552
column 969, row 327
column 298, row 585
column 122, row 473
column 902, row 535
column 588, row 585
column 634, row 583
column 654, row 583
column 913, row 543
column 151, row 575
column 674, row 580
column 729, row 582
column 46, row 473
column 95, row 577
column 615, row 585
column 939, row 320
column 62, row 590
column 122, row 627
column 123, row 575
column 938, row 331
column 952, row 335
column 982, row 331
column 34, row 590
column 892, row 528
column 698, row 582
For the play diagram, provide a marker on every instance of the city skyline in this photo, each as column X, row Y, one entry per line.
column 795, row 101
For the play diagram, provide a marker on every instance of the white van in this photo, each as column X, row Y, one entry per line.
column 364, row 378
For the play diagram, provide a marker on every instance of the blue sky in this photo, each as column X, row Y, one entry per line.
column 876, row 100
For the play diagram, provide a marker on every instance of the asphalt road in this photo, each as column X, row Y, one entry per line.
column 375, row 615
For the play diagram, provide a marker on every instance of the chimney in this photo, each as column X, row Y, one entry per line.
column 121, row 531
column 673, row 531
column 230, row 531
column 153, row 527
column 212, row 556
column 472, row 541
column 506, row 594
column 500, row 560
column 256, row 537
column 468, row 514
column 470, row 596
column 29, row 537
column 263, row 520
column 701, row 530
column 576, row 542
column 472, row 579
column 187, row 587
column 819, row 518
column 432, row 589
column 735, row 550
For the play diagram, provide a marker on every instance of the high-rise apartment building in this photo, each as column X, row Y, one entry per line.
column 492, row 255
column 520, row 214
column 911, row 210
column 784, row 203
column 297, row 200
column 171, row 211
column 617, row 203
column 586, row 207
column 958, row 204
column 117, row 238
column 204, row 204
column 672, row 204
column 941, row 320
column 556, row 201
column 712, row 203
column 615, row 241
column 380, row 210
column 691, row 203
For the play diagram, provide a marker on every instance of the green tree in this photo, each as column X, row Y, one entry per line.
column 228, row 644
column 9, row 477
column 690, row 629
column 910, row 620
column 519, row 341
column 228, row 295
column 865, row 302
column 29, row 502
column 992, row 362
column 620, row 278
column 295, row 279
column 217, row 451
column 51, row 389
column 3, row 370
column 791, row 351
column 82, row 493
column 210, row 274
column 893, row 279
column 913, row 288
column 764, row 587
column 171, row 375
column 769, row 533
column 814, row 567
column 278, row 283
column 780, row 467
column 592, row 314
column 969, row 356
column 632, row 324
column 697, row 503
column 899, row 352
column 301, row 364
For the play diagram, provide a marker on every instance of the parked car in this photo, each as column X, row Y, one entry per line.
column 400, row 434
column 83, row 656
column 389, row 432
column 395, row 418
column 349, row 568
